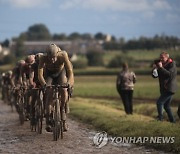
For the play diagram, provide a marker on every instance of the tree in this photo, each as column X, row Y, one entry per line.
column 113, row 38
column 38, row 32
column 20, row 50
column 74, row 36
column 95, row 58
column 86, row 36
column 99, row 36
column 59, row 37
column 23, row 36
column 5, row 43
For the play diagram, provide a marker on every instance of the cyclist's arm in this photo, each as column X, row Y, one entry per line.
column 41, row 70
column 12, row 79
column 21, row 76
column 31, row 77
column 69, row 69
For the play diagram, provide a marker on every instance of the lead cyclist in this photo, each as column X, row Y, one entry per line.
column 55, row 68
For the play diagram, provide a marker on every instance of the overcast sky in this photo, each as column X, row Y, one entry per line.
column 121, row 18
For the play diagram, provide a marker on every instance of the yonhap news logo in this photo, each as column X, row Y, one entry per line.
column 101, row 139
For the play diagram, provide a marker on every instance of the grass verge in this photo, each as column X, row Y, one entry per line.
column 116, row 123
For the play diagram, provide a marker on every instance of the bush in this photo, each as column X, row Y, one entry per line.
column 95, row 58
column 119, row 60
column 80, row 63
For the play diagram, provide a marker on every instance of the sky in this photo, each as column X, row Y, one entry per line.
column 121, row 18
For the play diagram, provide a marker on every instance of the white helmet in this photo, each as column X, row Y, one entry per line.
column 52, row 50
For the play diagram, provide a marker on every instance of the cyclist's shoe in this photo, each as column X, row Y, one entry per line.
column 65, row 126
column 27, row 117
column 48, row 128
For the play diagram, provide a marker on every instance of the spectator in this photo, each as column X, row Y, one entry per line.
column 166, row 72
column 125, row 86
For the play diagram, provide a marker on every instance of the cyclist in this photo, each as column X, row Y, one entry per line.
column 35, row 70
column 2, row 85
column 16, row 82
column 36, row 84
column 58, row 70
column 26, row 80
column 7, row 85
column 16, row 73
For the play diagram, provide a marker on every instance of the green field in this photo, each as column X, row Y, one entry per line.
column 105, row 86
column 139, row 55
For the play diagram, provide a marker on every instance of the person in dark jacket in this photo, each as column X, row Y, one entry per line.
column 125, row 86
column 166, row 72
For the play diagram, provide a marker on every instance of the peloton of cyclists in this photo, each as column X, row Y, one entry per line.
column 42, row 70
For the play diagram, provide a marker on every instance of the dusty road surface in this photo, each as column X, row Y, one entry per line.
column 18, row 139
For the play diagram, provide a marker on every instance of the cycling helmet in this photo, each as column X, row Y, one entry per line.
column 9, row 73
column 3, row 74
column 20, row 62
column 52, row 50
column 38, row 55
column 30, row 59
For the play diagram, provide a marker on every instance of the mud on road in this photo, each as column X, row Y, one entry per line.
column 18, row 139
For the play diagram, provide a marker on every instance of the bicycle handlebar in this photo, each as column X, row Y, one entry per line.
column 58, row 86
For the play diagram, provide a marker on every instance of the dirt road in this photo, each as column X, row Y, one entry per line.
column 15, row 138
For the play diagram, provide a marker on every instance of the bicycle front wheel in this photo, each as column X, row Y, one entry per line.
column 40, row 116
column 57, row 121
column 21, row 110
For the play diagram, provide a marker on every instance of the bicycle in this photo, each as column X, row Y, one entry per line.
column 57, row 123
column 8, row 99
column 38, row 109
column 20, row 104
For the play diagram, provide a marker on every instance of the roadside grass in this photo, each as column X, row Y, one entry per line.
column 116, row 123
column 143, row 108
column 4, row 68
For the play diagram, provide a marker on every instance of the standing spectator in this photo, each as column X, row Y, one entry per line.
column 125, row 86
column 166, row 72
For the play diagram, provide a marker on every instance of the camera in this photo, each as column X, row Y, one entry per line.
column 156, row 61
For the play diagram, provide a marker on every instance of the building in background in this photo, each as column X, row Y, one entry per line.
column 72, row 47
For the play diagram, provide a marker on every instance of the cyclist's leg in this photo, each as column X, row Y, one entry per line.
column 48, row 104
column 33, row 101
column 28, row 98
column 3, row 92
column 64, row 97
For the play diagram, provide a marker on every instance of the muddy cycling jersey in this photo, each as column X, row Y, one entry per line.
column 54, row 69
column 6, row 80
column 26, row 71
column 16, row 74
